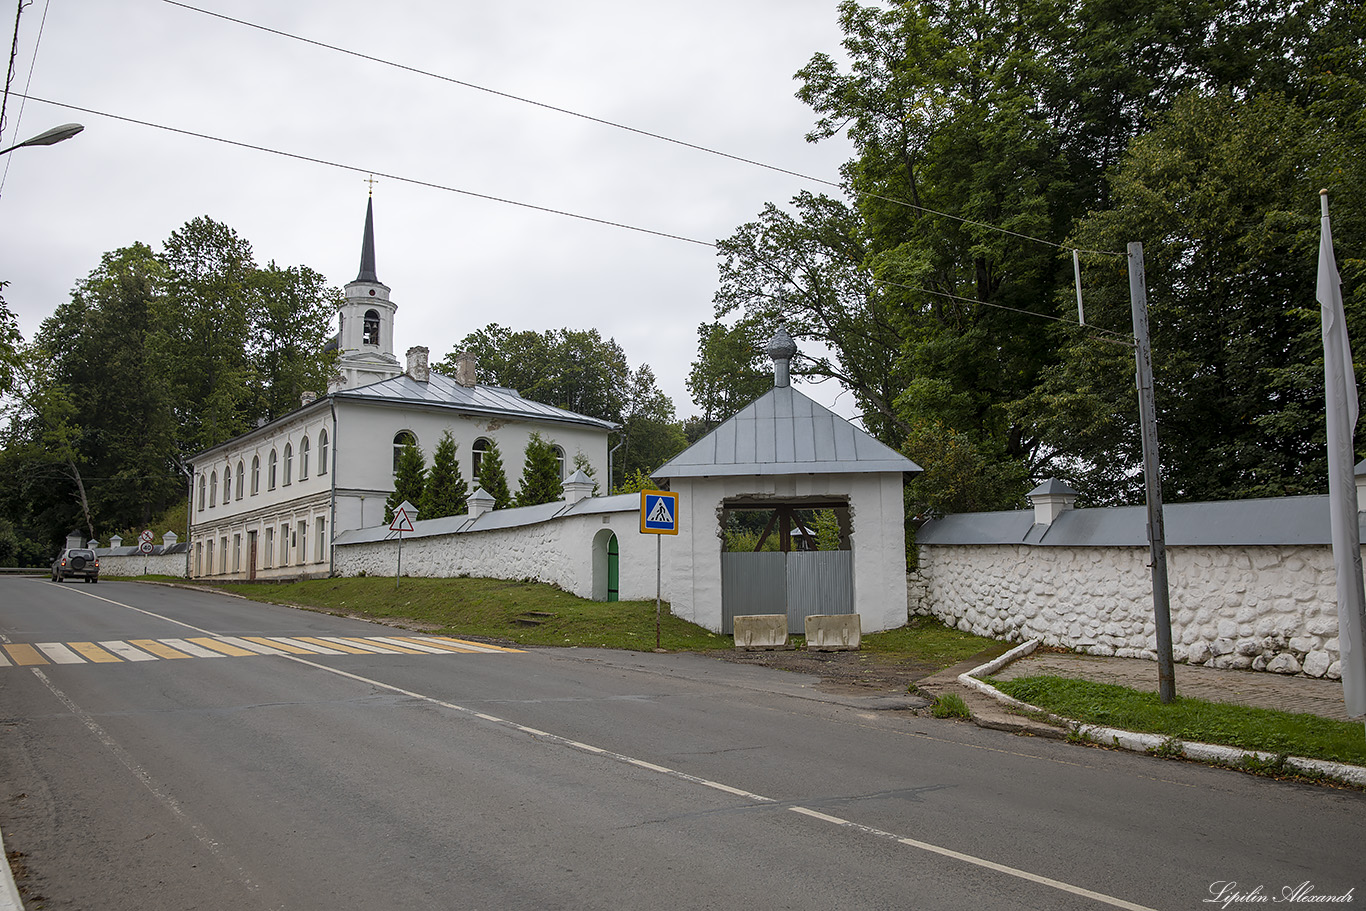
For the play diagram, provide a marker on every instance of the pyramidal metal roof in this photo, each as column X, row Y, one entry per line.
column 784, row 432
column 441, row 391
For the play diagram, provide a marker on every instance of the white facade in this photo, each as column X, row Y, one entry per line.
column 692, row 564
column 269, row 503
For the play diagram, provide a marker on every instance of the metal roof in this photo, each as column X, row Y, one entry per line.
column 784, row 432
column 443, row 392
column 1267, row 522
column 513, row 517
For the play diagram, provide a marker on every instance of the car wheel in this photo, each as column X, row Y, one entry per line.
column 94, row 578
column 59, row 579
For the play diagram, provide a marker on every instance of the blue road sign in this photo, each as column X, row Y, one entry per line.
column 658, row 512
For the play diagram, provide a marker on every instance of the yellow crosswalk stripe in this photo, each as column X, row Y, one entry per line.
column 24, row 655
column 224, row 647
column 157, row 648
column 391, row 646
column 448, row 646
column 327, row 643
column 482, row 645
column 92, row 652
column 282, row 646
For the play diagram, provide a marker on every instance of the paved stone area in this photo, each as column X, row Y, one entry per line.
column 1252, row 688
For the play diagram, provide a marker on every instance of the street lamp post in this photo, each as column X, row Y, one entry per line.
column 48, row 137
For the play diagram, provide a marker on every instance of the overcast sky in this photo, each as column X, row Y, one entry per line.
column 717, row 73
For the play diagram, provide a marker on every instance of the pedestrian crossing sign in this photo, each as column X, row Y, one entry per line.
column 658, row 512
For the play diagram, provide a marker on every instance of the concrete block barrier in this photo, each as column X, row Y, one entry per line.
column 833, row 633
column 757, row 631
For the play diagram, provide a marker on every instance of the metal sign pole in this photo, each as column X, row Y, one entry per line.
column 398, row 572
column 659, row 584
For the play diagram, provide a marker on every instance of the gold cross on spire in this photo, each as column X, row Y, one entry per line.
column 371, row 181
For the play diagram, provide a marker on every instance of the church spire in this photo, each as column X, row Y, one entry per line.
column 367, row 246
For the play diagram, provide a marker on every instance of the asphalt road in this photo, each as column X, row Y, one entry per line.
column 570, row 778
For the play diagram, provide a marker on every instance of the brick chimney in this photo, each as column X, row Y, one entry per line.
column 464, row 369
column 417, row 364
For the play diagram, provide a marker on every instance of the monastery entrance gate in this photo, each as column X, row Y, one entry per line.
column 797, row 579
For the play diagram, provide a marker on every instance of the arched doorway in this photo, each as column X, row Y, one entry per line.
column 606, row 566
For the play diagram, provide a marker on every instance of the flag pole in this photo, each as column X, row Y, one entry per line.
column 1340, row 404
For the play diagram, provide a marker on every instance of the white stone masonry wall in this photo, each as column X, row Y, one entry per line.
column 1265, row 608
column 143, row 565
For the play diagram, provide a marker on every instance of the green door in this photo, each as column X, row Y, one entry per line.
column 613, row 568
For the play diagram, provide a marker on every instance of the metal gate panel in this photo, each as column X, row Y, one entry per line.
column 751, row 584
column 820, row 582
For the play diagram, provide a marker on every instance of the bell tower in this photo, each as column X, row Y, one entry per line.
column 366, row 339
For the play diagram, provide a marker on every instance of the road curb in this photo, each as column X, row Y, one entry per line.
column 1157, row 744
column 9, row 891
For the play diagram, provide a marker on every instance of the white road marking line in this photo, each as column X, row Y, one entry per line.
column 976, row 861
column 4, row 662
column 125, row 651
column 308, row 646
column 59, row 653
column 191, row 649
column 256, row 647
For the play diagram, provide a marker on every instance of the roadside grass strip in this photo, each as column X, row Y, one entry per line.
column 117, row 651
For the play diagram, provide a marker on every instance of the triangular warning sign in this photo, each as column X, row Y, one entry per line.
column 660, row 515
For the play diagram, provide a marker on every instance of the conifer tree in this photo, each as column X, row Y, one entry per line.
column 409, row 481
column 540, row 474
column 446, row 492
column 492, row 478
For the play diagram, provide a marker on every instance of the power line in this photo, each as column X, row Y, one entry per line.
column 627, row 128
column 368, row 170
column 525, row 205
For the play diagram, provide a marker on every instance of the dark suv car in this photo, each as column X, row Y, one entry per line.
column 76, row 561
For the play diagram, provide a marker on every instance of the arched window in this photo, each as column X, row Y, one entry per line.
column 289, row 463
column 255, row 475
column 202, row 485
column 213, row 489
column 241, row 474
column 303, row 458
column 270, row 470
column 477, row 451
column 227, row 484
column 559, row 458
column 370, row 328
column 322, row 452
column 402, row 439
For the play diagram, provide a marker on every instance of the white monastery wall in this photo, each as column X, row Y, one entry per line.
column 568, row 551
column 1259, row 607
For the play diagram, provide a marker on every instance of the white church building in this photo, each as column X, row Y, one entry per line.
column 269, row 503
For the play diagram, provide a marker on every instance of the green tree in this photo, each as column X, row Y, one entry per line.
column 540, row 474
column 445, row 493
column 291, row 318
column 409, row 482
column 572, row 369
column 635, row 482
column 1224, row 193
column 492, row 477
column 204, row 322
column 10, row 340
column 650, row 435
column 730, row 370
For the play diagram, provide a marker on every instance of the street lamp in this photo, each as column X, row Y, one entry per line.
column 48, row 137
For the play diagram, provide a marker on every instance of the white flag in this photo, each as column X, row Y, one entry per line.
column 1340, row 394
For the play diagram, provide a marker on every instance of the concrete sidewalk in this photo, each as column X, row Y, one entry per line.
column 1258, row 689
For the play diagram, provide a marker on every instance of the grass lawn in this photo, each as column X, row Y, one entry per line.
column 531, row 613
column 1267, row 730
